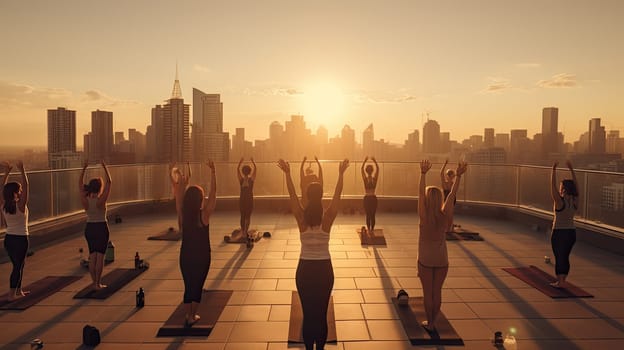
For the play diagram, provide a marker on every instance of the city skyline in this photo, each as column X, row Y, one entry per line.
column 479, row 61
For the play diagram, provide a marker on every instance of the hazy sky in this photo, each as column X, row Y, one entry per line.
column 470, row 64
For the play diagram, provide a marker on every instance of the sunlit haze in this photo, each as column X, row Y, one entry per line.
column 469, row 64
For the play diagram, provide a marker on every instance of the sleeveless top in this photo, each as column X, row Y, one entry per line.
column 564, row 217
column 246, row 188
column 95, row 214
column 195, row 241
column 17, row 224
column 369, row 185
column 432, row 250
column 314, row 244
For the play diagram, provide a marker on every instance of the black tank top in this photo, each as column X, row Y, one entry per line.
column 246, row 191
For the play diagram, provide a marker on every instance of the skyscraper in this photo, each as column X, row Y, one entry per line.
column 488, row 138
column 209, row 140
column 431, row 137
column 101, row 139
column 597, row 136
column 61, row 136
column 368, row 139
column 550, row 137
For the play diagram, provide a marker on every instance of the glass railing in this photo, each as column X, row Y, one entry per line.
column 54, row 193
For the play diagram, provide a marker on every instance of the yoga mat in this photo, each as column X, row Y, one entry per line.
column 413, row 314
column 463, row 236
column 377, row 238
column 167, row 235
column 540, row 280
column 114, row 280
column 212, row 304
column 296, row 320
column 39, row 290
column 238, row 237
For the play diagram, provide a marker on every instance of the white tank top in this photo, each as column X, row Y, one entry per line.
column 314, row 244
column 95, row 214
column 17, row 224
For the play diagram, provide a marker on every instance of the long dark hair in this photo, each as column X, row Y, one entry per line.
column 313, row 212
column 8, row 193
column 569, row 187
column 191, row 206
column 94, row 186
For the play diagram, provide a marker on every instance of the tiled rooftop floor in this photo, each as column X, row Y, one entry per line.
column 478, row 297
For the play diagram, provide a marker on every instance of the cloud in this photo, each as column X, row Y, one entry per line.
column 272, row 91
column 200, row 68
column 21, row 95
column 496, row 85
column 104, row 100
column 563, row 80
column 400, row 96
column 528, row 65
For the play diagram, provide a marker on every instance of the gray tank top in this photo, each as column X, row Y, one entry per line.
column 95, row 214
column 564, row 217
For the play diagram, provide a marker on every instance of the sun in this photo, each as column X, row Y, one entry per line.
column 323, row 103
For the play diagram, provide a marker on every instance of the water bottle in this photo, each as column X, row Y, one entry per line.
column 140, row 298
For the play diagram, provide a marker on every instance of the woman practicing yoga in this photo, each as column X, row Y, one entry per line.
column 563, row 237
column 195, row 249
column 315, row 275
column 93, row 198
column 309, row 177
column 14, row 204
column 246, row 179
column 435, row 215
column 370, row 199
column 179, row 183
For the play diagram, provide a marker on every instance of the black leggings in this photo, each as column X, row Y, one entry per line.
column 246, row 207
column 194, row 274
column 315, row 280
column 562, row 241
column 16, row 247
column 370, row 206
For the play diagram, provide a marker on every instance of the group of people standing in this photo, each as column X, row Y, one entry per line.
column 314, row 274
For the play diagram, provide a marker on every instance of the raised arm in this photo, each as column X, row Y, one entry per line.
column 449, row 204
column 294, row 200
column 425, row 165
column 81, row 185
column 7, row 170
column 554, row 191
column 190, row 173
column 301, row 173
column 332, row 210
column 211, row 202
column 238, row 171
column 107, row 186
column 171, row 172
column 320, row 171
column 376, row 176
column 571, row 168
column 442, row 177
column 253, row 170
column 24, row 197
column 362, row 170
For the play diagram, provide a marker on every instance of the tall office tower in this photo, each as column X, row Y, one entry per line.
column 239, row 148
column 597, row 136
column 297, row 139
column 412, row 145
column 170, row 140
column 613, row 140
column 119, row 137
column 61, row 135
column 101, row 139
column 502, row 141
column 550, row 117
column 368, row 140
column 348, row 141
column 431, row 137
column 488, row 138
column 209, row 140
column 276, row 140
column 518, row 146
column 445, row 142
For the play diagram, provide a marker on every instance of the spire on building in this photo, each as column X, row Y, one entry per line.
column 177, row 91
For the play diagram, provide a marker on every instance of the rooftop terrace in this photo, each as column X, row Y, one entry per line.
column 478, row 296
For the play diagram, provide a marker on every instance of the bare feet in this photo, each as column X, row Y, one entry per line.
column 558, row 284
column 99, row 286
column 189, row 322
column 425, row 325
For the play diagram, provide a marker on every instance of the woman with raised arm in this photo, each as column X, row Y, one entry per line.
column 435, row 214
column 565, row 203
column 308, row 177
column 179, row 182
column 93, row 197
column 447, row 178
column 315, row 275
column 370, row 199
column 195, row 249
column 246, row 179
column 14, row 204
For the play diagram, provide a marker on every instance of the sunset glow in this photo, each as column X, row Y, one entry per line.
column 324, row 103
